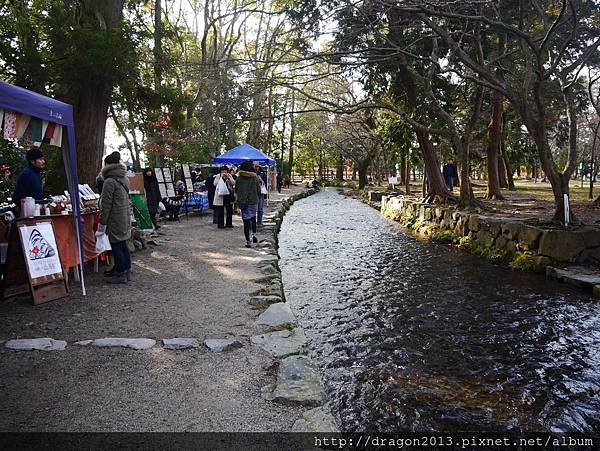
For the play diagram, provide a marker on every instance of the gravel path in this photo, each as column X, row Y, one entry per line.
column 195, row 284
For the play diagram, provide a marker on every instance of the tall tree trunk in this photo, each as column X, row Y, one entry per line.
column 436, row 184
column 92, row 94
column 403, row 166
column 292, row 135
column 493, row 148
column 158, row 65
column 363, row 167
column 502, row 177
column 340, row 168
column 508, row 170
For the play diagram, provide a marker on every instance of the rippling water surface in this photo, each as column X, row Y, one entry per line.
column 419, row 336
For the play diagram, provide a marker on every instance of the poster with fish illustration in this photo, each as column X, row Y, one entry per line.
column 41, row 252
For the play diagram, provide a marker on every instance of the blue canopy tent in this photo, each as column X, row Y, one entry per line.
column 246, row 152
column 21, row 100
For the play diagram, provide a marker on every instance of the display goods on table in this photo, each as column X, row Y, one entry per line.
column 31, row 119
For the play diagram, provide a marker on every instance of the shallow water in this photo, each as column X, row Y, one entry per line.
column 413, row 335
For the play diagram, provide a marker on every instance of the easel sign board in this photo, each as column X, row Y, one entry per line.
column 165, row 182
column 187, row 177
column 41, row 258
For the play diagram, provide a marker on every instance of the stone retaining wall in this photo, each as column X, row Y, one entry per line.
column 508, row 238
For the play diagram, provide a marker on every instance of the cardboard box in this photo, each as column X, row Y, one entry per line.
column 136, row 183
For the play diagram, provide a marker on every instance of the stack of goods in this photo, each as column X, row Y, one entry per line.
column 88, row 198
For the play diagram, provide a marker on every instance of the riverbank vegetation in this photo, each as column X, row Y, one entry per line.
column 510, row 90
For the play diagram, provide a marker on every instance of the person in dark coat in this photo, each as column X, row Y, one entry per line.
column 450, row 174
column 248, row 191
column 152, row 194
column 115, row 219
column 29, row 183
column 210, row 187
column 279, row 181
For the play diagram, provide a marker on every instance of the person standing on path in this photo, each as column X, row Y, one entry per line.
column 115, row 219
column 263, row 190
column 450, row 174
column 279, row 180
column 248, row 192
column 224, row 203
column 210, row 188
column 152, row 194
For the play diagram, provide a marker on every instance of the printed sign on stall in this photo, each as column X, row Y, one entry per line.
column 41, row 251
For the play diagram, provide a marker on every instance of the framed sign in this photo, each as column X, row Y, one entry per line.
column 41, row 252
column 33, row 263
column 187, row 178
column 165, row 182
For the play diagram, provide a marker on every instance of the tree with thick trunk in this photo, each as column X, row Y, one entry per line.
column 92, row 93
column 494, row 139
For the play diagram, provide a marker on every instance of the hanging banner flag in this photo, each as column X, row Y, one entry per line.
column 22, row 123
column 1, row 116
column 44, row 128
column 49, row 131
column 56, row 139
column 10, row 125
column 35, row 129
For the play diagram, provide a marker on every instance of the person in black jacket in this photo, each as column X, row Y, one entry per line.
column 210, row 187
column 152, row 194
column 450, row 174
column 29, row 183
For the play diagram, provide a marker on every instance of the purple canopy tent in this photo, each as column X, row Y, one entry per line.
column 246, row 152
column 21, row 100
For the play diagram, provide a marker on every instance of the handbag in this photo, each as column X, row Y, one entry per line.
column 263, row 189
column 222, row 189
column 102, row 243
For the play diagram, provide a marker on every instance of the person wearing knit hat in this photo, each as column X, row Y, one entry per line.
column 113, row 158
column 248, row 192
column 115, row 220
column 29, row 183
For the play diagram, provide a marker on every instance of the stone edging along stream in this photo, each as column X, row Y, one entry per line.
column 298, row 379
column 516, row 243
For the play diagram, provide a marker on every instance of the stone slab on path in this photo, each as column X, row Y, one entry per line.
column 578, row 276
column 298, row 382
column 181, row 343
column 260, row 300
column 222, row 344
column 36, row 344
column 139, row 344
column 318, row 419
column 281, row 343
column 276, row 315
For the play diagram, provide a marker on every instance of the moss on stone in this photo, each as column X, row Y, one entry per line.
column 446, row 236
column 529, row 261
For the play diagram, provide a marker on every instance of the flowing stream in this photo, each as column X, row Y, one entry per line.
column 413, row 335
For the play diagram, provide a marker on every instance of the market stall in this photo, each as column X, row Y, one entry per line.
column 32, row 117
column 246, row 152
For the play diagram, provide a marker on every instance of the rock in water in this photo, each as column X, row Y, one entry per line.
column 180, row 343
column 36, row 344
column 133, row 343
column 281, row 343
column 319, row 419
column 298, row 382
column 222, row 344
column 276, row 315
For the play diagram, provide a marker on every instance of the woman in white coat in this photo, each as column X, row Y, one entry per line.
column 224, row 203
